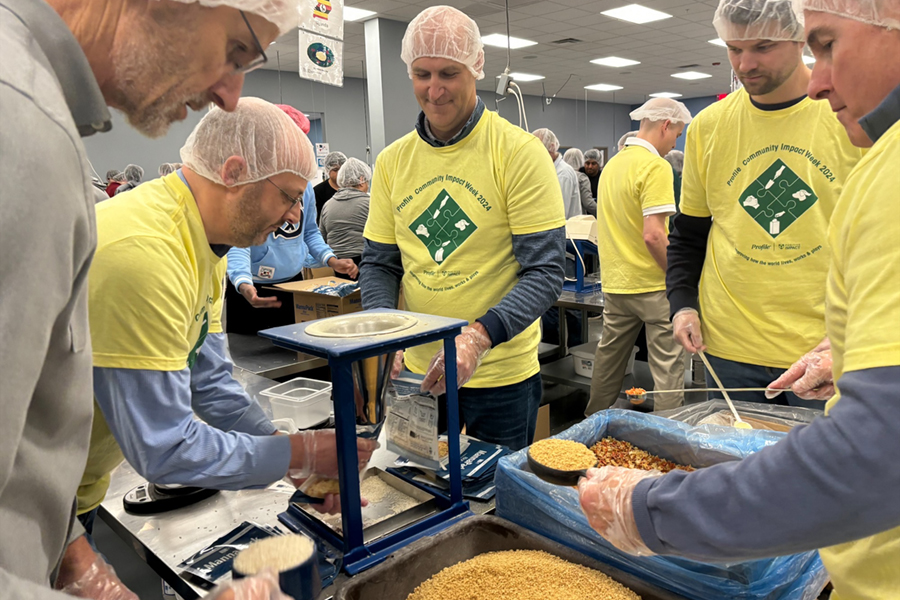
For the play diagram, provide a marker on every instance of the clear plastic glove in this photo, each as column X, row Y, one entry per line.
column 315, row 453
column 605, row 496
column 688, row 331
column 810, row 377
column 99, row 582
column 248, row 291
column 472, row 345
column 345, row 266
column 263, row 586
column 397, row 367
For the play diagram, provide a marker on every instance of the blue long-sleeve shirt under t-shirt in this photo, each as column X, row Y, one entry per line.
column 151, row 416
column 832, row 481
column 284, row 253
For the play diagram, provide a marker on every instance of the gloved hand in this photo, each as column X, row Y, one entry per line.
column 605, row 496
column 248, row 291
column 263, row 586
column 472, row 345
column 688, row 331
column 810, row 377
column 99, row 582
column 397, row 367
column 344, row 265
column 315, row 453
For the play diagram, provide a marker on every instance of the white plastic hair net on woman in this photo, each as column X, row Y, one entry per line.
column 662, row 109
column 354, row 173
column 548, row 138
column 881, row 13
column 574, row 158
column 257, row 131
column 334, row 160
column 621, row 144
column 739, row 20
column 444, row 32
column 284, row 14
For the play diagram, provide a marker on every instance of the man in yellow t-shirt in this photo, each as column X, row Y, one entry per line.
column 467, row 215
column 636, row 198
column 763, row 170
column 833, row 484
column 155, row 294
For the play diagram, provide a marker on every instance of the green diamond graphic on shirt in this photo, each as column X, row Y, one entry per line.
column 777, row 198
column 443, row 227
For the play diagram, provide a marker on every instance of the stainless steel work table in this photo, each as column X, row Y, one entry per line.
column 164, row 540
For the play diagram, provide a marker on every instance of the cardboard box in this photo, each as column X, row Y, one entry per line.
column 309, row 305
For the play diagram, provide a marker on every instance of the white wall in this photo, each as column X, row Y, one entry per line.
column 576, row 123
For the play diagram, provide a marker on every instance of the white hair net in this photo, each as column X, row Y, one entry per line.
column 574, row 158
column 622, row 139
column 133, row 173
column 662, row 109
column 284, row 14
column 592, row 154
column 335, row 160
column 444, row 32
column 881, row 13
column 257, row 131
column 354, row 172
column 737, row 20
column 548, row 138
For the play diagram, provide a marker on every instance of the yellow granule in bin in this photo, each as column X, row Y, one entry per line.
column 520, row 575
column 564, row 455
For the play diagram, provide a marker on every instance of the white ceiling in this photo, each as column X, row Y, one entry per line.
column 663, row 47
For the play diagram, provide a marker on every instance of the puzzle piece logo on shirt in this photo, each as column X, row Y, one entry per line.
column 777, row 198
column 443, row 227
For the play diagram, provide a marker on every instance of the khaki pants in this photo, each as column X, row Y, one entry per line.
column 622, row 318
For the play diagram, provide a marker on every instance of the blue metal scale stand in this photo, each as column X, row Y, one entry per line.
column 341, row 354
column 579, row 286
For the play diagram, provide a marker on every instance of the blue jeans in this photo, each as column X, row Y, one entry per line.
column 738, row 375
column 505, row 415
column 87, row 521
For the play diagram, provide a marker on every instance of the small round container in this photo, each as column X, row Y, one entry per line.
column 293, row 557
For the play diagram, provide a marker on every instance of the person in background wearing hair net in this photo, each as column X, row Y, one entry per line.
column 282, row 257
column 114, row 178
column 636, row 200
column 568, row 181
column 676, row 159
column 64, row 62
column 160, row 257
column 133, row 175
column 832, row 484
column 166, row 168
column 344, row 217
column 592, row 166
column 763, row 170
column 494, row 258
column 328, row 188
column 575, row 159
column 620, row 145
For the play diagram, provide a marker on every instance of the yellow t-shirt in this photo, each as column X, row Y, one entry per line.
column 151, row 293
column 215, row 314
column 453, row 212
column 636, row 182
column 770, row 180
column 863, row 322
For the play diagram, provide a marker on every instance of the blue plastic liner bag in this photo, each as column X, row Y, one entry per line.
column 553, row 511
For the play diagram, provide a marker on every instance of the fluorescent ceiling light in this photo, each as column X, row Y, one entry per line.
column 635, row 13
column 603, row 87
column 499, row 40
column 615, row 61
column 526, row 77
column 356, row 14
column 808, row 60
column 691, row 75
column 665, row 95
column 719, row 42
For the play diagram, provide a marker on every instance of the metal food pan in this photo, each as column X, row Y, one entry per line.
column 406, row 569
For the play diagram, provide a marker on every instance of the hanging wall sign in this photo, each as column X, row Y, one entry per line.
column 321, row 59
column 325, row 17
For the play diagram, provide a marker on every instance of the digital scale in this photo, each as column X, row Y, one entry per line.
column 152, row 498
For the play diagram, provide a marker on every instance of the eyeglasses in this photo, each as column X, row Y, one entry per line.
column 294, row 201
column 257, row 62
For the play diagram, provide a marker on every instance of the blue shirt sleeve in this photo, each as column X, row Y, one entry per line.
column 319, row 251
column 149, row 414
column 220, row 400
column 826, row 483
column 239, row 267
